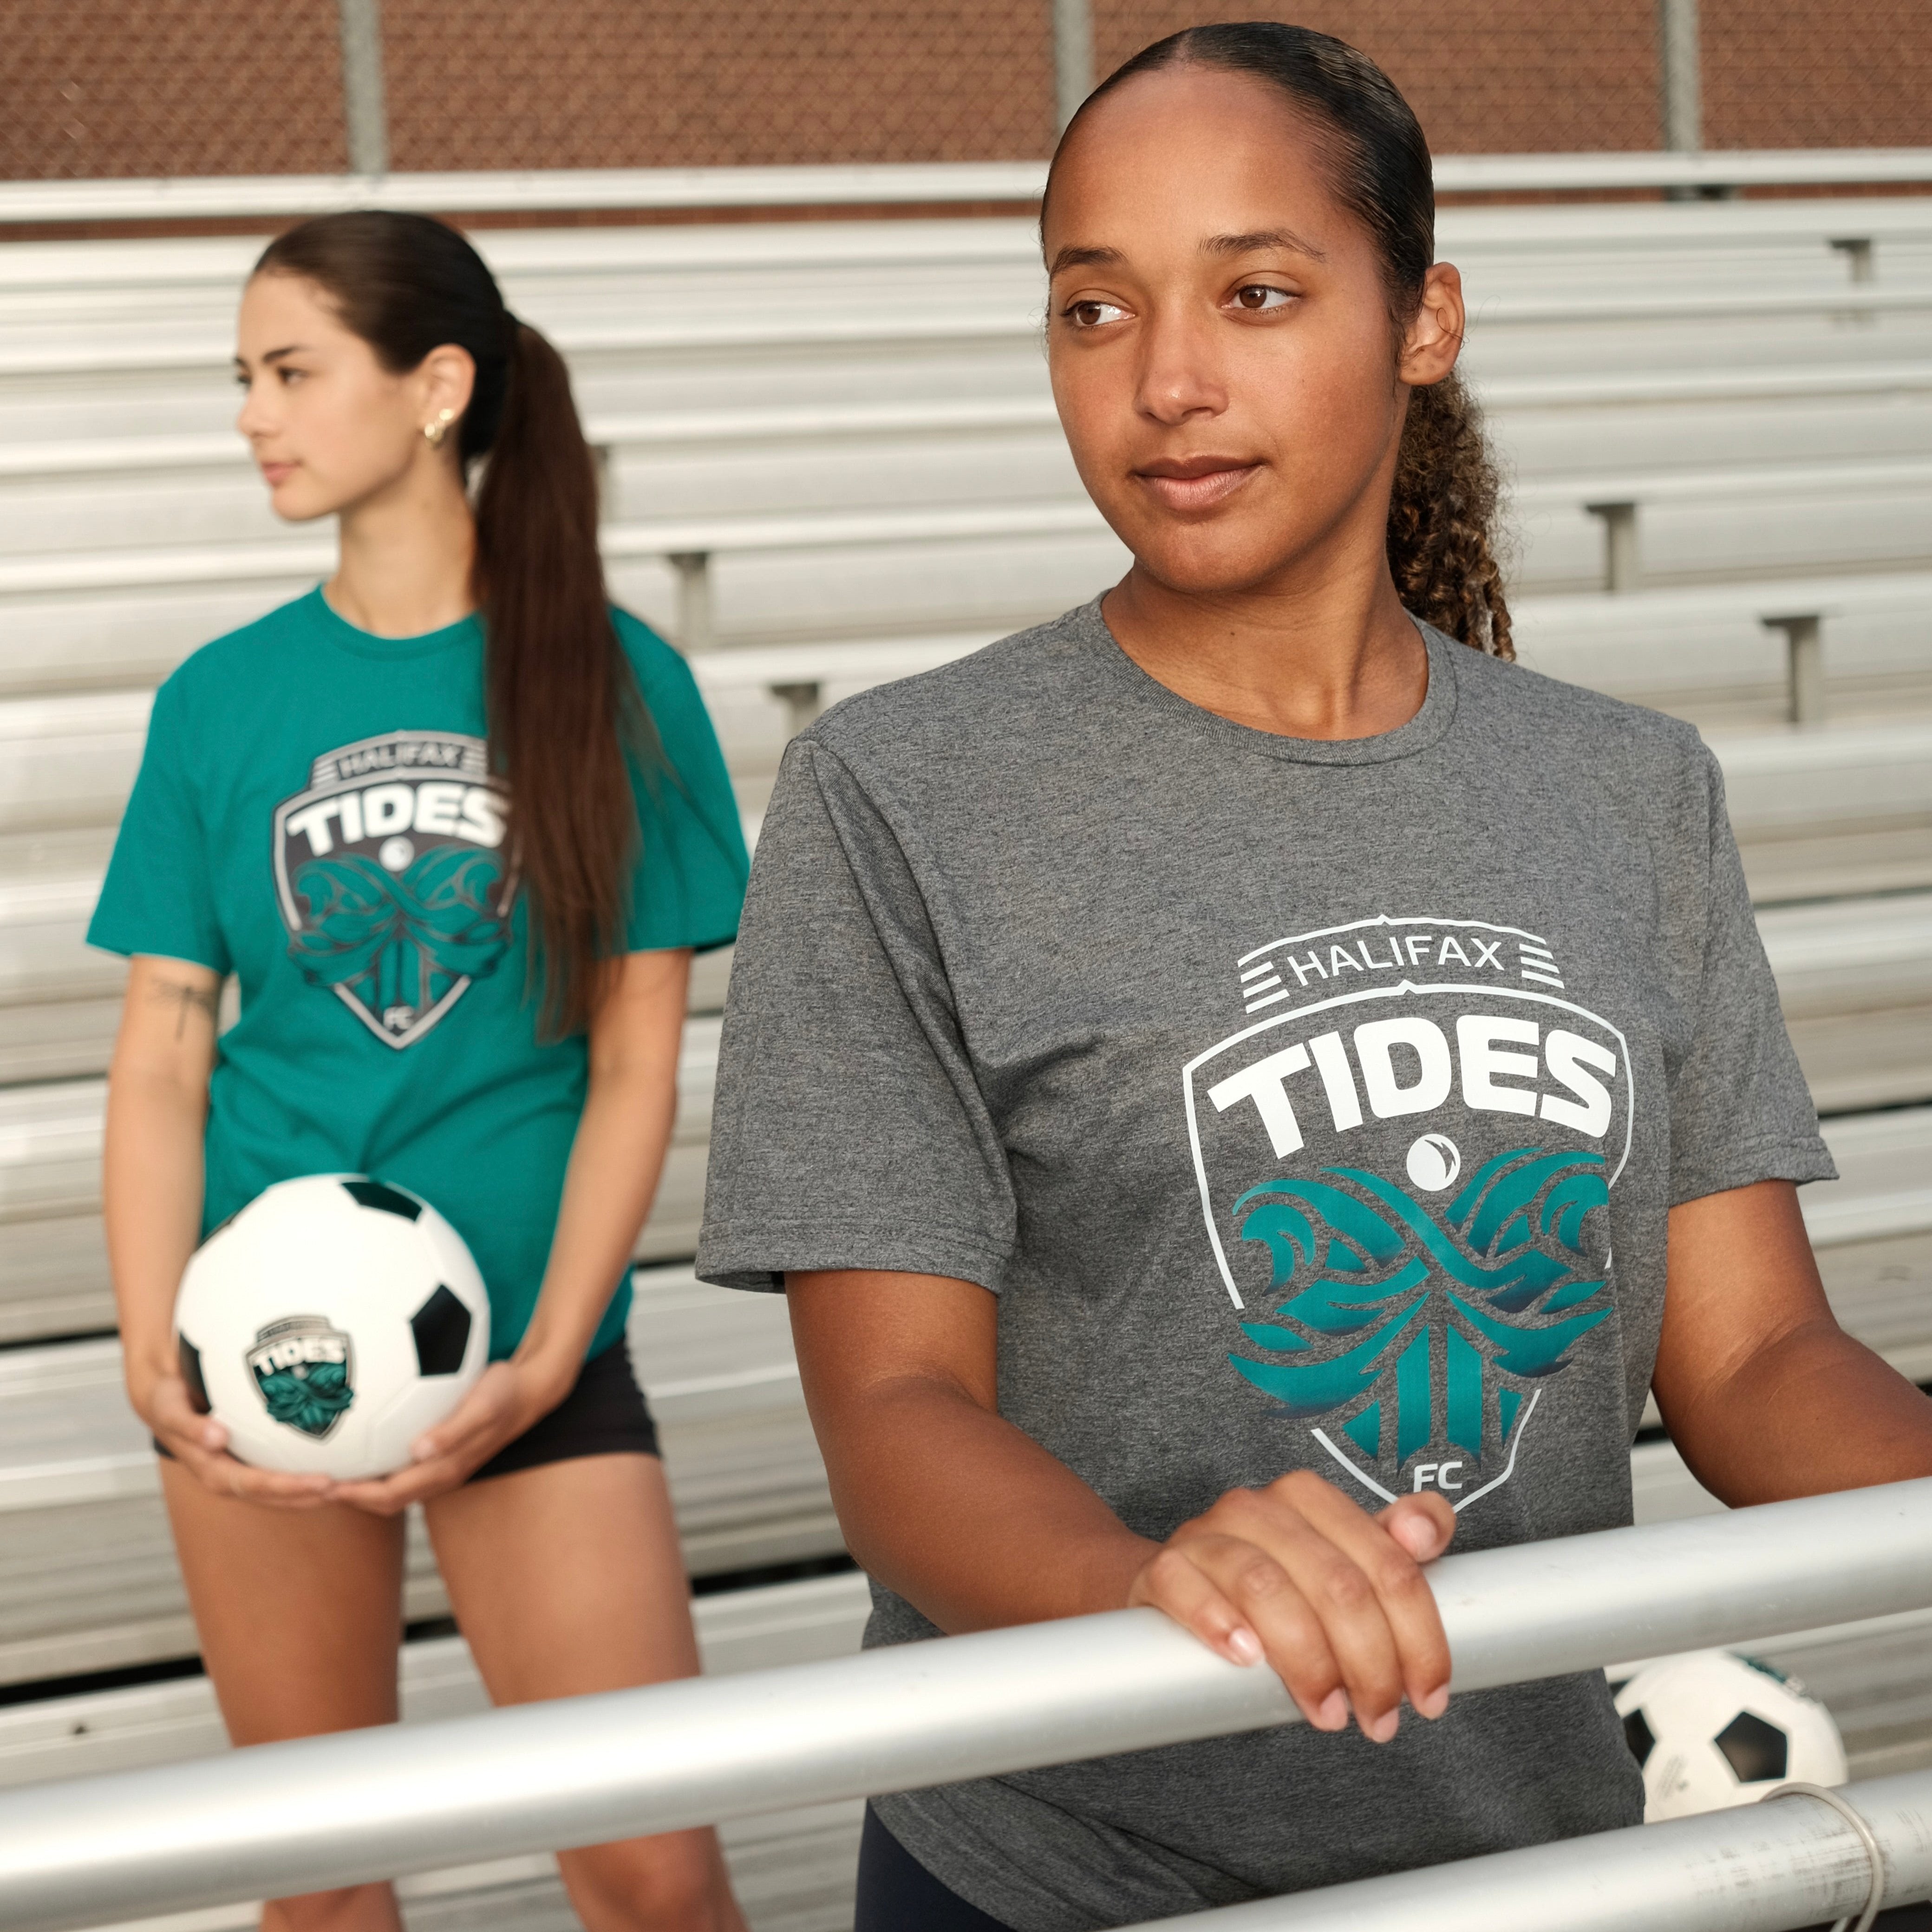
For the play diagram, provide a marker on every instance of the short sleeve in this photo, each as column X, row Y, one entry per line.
column 158, row 896
column 1740, row 1110
column 689, row 885
column 849, row 1130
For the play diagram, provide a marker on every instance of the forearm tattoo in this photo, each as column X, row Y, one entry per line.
column 186, row 1000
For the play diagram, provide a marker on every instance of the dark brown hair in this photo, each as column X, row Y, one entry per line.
column 1442, row 535
column 567, row 723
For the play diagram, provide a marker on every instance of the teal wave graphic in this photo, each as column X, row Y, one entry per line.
column 1374, row 1288
column 401, row 940
column 311, row 1401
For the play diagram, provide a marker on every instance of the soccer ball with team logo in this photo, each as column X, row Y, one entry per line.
column 1711, row 1729
column 329, row 1323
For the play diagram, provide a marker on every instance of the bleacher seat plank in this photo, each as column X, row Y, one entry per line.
column 1873, row 1231
column 1822, row 814
column 1854, row 980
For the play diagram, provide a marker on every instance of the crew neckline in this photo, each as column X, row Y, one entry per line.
column 368, row 644
column 1426, row 727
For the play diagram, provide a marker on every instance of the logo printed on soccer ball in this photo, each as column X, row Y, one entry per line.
column 389, row 875
column 304, row 1369
column 1408, row 1297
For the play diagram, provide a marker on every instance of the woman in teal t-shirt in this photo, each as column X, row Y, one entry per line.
column 456, row 826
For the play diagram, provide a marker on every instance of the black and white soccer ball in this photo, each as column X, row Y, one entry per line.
column 329, row 1323
column 1711, row 1728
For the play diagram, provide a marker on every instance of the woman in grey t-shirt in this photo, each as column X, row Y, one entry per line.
column 1242, row 1082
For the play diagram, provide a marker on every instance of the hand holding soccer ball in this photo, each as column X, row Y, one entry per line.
column 324, row 1328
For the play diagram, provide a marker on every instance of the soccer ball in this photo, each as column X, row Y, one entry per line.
column 329, row 1323
column 1711, row 1728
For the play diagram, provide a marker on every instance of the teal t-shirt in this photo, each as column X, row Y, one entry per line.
column 315, row 814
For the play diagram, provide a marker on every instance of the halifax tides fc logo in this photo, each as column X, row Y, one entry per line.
column 305, row 1370
column 1412, row 1325
column 389, row 880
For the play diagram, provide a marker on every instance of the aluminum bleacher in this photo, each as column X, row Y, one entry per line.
column 903, row 376
column 86, row 1583
column 849, row 423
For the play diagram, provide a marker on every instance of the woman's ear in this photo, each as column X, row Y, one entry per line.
column 448, row 375
column 1434, row 339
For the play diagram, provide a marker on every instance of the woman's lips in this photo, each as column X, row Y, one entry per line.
column 274, row 474
column 1196, row 486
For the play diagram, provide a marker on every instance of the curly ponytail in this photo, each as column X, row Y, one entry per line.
column 1441, row 521
column 567, row 722
column 1442, row 536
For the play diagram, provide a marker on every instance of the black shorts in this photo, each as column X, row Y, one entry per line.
column 897, row 1894
column 603, row 1414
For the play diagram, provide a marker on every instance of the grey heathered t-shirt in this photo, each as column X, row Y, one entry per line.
column 1308, row 1105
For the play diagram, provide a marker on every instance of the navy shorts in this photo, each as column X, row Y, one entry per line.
column 603, row 1414
column 897, row 1894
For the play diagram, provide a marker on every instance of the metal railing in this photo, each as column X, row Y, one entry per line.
column 229, row 197
column 281, row 1818
column 1799, row 1857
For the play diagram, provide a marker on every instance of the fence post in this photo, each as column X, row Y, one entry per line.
column 1683, row 89
column 1681, row 84
column 1072, row 58
column 365, row 113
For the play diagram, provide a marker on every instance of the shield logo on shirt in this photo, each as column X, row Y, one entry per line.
column 305, row 1372
column 1404, row 1161
column 390, row 877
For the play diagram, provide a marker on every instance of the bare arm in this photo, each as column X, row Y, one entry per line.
column 151, row 1184
column 615, row 1163
column 1764, row 1394
column 968, row 1518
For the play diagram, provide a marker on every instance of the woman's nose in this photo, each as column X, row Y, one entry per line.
column 249, row 418
column 1178, row 376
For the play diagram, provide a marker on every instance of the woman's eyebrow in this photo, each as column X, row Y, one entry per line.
column 1263, row 239
column 1085, row 258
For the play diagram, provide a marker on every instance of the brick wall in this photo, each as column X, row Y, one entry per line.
column 188, row 87
column 93, row 88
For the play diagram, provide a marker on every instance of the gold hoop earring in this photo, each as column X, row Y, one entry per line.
column 434, row 433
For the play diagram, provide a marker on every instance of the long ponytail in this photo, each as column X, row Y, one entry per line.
column 1442, row 525
column 567, row 723
column 563, row 706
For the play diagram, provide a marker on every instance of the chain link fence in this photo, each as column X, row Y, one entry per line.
column 94, row 89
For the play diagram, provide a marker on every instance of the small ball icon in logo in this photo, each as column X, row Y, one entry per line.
column 395, row 853
column 1434, row 1162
